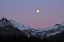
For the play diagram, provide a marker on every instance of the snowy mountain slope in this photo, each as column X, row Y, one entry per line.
column 58, row 28
column 26, row 29
column 29, row 31
column 19, row 25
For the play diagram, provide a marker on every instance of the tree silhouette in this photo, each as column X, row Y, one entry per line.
column 58, row 40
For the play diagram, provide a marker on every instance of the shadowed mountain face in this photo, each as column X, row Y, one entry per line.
column 7, row 28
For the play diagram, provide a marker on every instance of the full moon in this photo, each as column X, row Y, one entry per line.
column 37, row 11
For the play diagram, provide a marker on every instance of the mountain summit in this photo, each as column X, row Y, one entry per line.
column 4, row 22
column 7, row 28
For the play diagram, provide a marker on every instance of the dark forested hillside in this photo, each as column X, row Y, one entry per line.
column 21, row 38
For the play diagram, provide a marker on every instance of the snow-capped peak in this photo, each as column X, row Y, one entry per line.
column 4, row 22
column 52, row 27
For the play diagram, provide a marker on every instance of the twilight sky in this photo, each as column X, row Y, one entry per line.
column 51, row 12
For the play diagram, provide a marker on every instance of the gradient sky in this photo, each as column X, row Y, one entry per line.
column 51, row 12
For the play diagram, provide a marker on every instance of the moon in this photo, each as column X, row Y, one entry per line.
column 37, row 11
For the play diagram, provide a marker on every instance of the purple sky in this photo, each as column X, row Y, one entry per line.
column 51, row 12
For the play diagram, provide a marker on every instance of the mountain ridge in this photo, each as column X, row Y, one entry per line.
column 29, row 31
